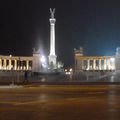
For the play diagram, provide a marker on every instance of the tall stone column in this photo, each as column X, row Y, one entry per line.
column 10, row 64
column 52, row 56
column 27, row 65
column 4, row 64
column 19, row 65
column 105, row 64
column 94, row 64
column 88, row 64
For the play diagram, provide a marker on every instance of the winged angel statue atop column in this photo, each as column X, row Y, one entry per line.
column 52, row 12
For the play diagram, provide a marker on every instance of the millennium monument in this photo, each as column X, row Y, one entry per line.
column 52, row 56
column 50, row 65
column 37, row 63
column 97, row 68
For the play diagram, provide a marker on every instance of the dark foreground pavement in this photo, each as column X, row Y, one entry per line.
column 60, row 102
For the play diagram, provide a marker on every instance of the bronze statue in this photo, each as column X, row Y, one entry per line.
column 52, row 12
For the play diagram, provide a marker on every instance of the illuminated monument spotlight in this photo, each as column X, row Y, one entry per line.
column 52, row 56
column 50, row 65
column 37, row 63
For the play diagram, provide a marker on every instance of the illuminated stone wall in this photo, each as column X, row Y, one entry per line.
column 15, row 62
column 95, row 63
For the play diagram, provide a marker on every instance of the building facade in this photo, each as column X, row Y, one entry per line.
column 16, row 63
column 93, row 63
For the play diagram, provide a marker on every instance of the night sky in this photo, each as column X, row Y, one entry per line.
column 92, row 24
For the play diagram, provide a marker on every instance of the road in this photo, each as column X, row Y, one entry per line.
column 60, row 102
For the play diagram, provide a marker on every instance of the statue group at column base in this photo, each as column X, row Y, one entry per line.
column 50, row 68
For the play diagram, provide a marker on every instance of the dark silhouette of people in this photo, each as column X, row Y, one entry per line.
column 25, row 77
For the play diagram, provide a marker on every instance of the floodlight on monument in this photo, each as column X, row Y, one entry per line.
column 112, row 59
column 43, row 60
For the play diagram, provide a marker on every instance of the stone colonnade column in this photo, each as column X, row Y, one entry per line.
column 99, row 64
column 94, row 64
column 10, row 66
column 27, row 65
column 88, row 64
column 105, row 64
column 4, row 64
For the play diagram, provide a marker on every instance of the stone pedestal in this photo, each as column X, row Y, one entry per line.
column 52, row 61
column 36, row 67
